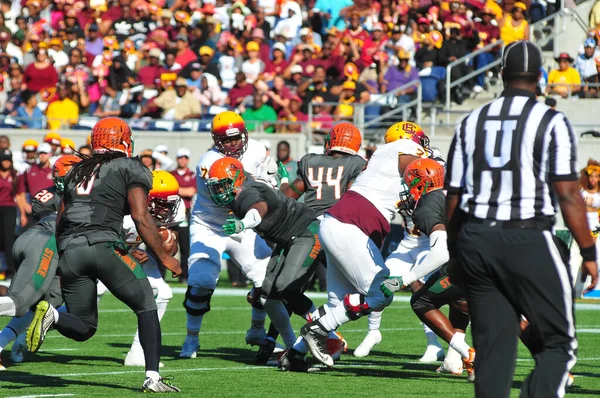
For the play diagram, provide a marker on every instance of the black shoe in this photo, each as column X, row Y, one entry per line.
column 293, row 361
column 265, row 351
column 316, row 338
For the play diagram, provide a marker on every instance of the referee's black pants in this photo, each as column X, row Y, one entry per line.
column 511, row 272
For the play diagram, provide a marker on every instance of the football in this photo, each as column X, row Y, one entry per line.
column 169, row 240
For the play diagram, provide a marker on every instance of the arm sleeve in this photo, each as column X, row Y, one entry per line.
column 438, row 255
column 455, row 167
column 562, row 151
column 251, row 219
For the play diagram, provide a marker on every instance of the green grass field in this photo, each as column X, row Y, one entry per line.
column 225, row 368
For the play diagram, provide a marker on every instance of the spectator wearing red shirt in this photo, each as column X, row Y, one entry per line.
column 292, row 113
column 149, row 75
column 279, row 96
column 37, row 177
column 305, row 59
column 184, row 54
column 278, row 65
column 264, row 52
column 187, row 189
column 10, row 196
column 331, row 61
column 488, row 33
column 40, row 74
column 239, row 91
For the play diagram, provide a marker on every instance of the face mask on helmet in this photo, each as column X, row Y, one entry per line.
column 222, row 191
column 407, row 204
column 164, row 210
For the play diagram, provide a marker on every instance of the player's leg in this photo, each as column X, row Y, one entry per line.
column 162, row 295
column 252, row 254
column 204, row 266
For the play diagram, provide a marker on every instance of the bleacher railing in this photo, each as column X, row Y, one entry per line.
column 465, row 60
column 551, row 27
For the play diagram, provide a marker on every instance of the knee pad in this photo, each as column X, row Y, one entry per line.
column 197, row 300
column 356, row 306
column 422, row 304
column 204, row 273
column 253, row 298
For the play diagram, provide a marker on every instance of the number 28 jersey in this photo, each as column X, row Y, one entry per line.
column 326, row 178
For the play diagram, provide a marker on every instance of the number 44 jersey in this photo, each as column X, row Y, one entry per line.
column 326, row 178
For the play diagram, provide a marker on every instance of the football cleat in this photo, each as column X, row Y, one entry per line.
column 161, row 385
column 570, row 380
column 316, row 338
column 449, row 369
column 336, row 346
column 452, row 364
column 256, row 336
column 469, row 365
column 43, row 319
column 19, row 348
column 135, row 357
column 372, row 338
column 293, row 361
column 433, row 353
column 190, row 347
column 265, row 351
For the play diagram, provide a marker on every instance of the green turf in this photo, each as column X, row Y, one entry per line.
column 224, row 367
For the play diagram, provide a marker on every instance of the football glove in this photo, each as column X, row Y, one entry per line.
column 284, row 176
column 233, row 226
column 391, row 285
column 596, row 230
column 268, row 171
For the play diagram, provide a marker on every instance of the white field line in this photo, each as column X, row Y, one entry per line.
column 42, row 395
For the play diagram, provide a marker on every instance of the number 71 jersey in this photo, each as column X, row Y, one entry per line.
column 326, row 178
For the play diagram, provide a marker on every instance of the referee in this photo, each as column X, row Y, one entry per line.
column 511, row 161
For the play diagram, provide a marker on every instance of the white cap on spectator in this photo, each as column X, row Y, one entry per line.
column 279, row 46
column 181, row 152
column 296, row 69
column 161, row 148
column 44, row 147
column 155, row 52
column 266, row 143
column 304, row 32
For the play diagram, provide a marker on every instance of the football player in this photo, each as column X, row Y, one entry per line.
column 99, row 191
column 35, row 254
column 412, row 246
column 208, row 242
column 167, row 209
column 291, row 225
column 323, row 179
column 424, row 199
column 355, row 267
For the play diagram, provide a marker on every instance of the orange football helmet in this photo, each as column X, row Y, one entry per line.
column 225, row 179
column 112, row 134
column 406, row 130
column 163, row 198
column 60, row 169
column 228, row 126
column 420, row 177
column 343, row 137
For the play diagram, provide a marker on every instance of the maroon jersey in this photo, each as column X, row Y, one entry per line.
column 487, row 33
column 186, row 179
column 35, row 179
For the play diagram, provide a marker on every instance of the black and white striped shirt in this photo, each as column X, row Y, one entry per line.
column 505, row 154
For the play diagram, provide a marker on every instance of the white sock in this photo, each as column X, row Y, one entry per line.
column 453, row 358
column 335, row 317
column 6, row 336
column 193, row 323
column 281, row 319
column 459, row 344
column 300, row 345
column 56, row 314
column 152, row 374
column 7, row 306
column 431, row 336
column 375, row 320
column 258, row 318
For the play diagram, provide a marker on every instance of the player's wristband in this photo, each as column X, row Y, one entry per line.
column 285, row 180
column 588, row 253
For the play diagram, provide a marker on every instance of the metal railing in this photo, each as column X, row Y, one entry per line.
column 466, row 59
column 551, row 27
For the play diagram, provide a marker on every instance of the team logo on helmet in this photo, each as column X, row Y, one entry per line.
column 406, row 130
column 225, row 179
column 420, row 177
column 163, row 198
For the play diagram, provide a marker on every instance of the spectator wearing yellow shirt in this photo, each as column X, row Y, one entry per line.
column 514, row 27
column 62, row 112
column 566, row 77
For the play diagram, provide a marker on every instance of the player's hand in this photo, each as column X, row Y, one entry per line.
column 233, row 226
column 284, row 176
column 589, row 268
column 172, row 264
column 391, row 285
column 140, row 255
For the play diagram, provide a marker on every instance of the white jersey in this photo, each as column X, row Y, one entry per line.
column 592, row 216
column 133, row 239
column 205, row 211
column 381, row 182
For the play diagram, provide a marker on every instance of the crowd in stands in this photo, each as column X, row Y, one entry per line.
column 182, row 60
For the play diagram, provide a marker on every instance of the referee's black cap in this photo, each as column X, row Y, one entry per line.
column 521, row 57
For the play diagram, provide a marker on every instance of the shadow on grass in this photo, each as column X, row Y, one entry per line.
column 85, row 360
column 19, row 380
